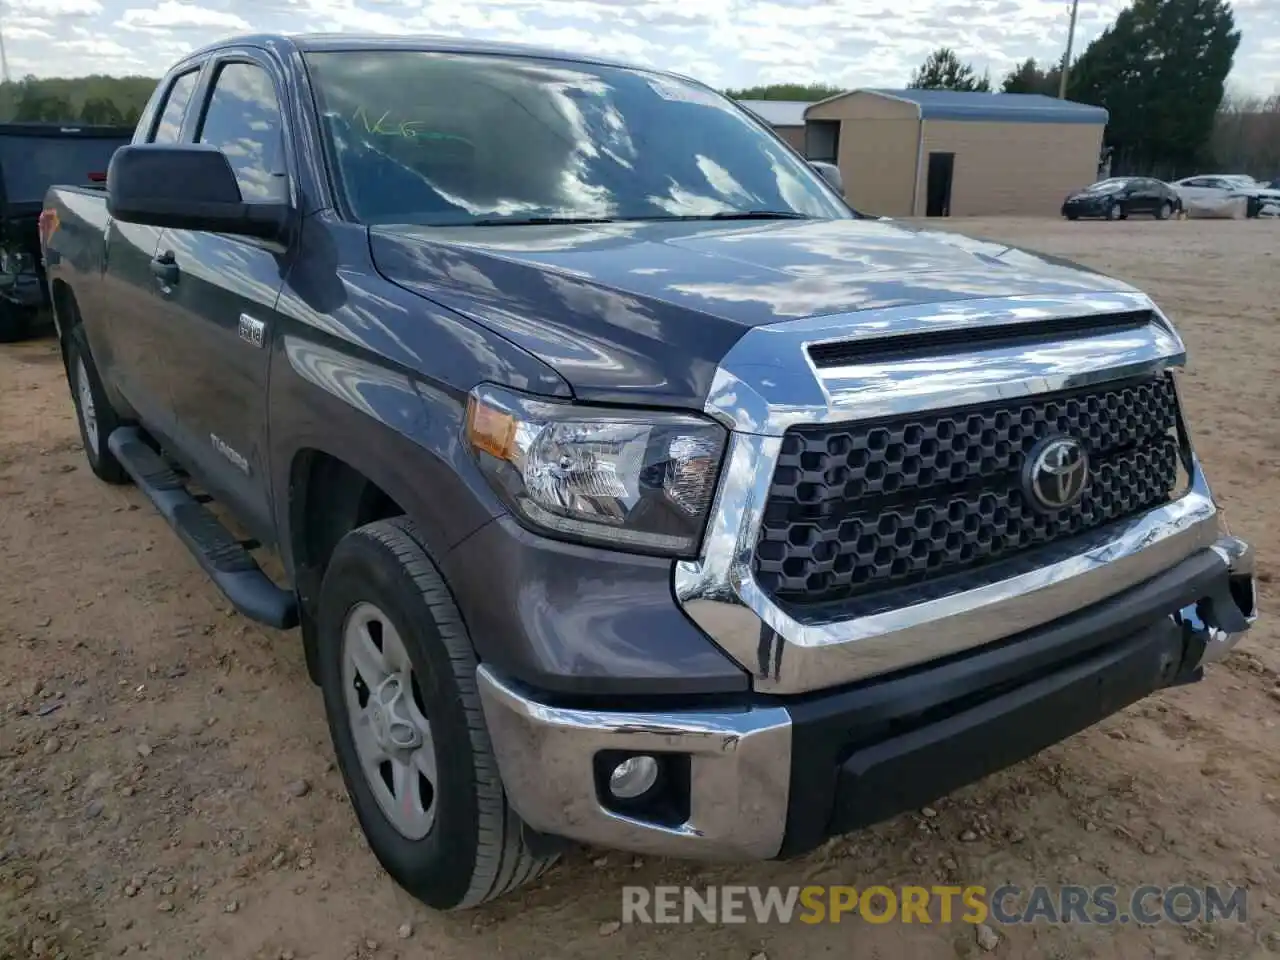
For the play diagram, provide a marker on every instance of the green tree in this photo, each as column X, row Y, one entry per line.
column 100, row 110
column 64, row 99
column 943, row 70
column 38, row 105
column 1027, row 77
column 786, row 91
column 1160, row 71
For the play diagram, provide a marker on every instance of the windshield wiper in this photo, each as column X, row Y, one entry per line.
column 723, row 215
column 760, row 215
column 736, row 215
column 532, row 221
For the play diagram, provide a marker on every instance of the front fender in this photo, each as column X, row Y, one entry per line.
column 402, row 435
column 377, row 377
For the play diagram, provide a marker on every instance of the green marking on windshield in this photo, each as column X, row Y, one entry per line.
column 384, row 126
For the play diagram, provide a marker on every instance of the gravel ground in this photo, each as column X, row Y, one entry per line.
column 166, row 784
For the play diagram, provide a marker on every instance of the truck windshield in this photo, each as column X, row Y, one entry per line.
column 455, row 139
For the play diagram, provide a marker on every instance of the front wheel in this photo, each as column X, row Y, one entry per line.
column 1115, row 211
column 94, row 413
column 397, row 670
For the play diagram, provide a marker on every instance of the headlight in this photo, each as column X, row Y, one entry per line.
column 636, row 480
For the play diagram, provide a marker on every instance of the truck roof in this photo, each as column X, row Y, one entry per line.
column 305, row 42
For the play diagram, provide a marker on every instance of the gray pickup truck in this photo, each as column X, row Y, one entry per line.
column 629, row 488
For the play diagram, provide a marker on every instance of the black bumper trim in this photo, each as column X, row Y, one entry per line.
column 888, row 745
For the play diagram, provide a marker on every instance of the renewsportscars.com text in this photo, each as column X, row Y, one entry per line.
column 1006, row 905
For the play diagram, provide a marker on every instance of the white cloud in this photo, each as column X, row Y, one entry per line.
column 100, row 48
column 172, row 15
column 56, row 8
column 27, row 33
column 724, row 42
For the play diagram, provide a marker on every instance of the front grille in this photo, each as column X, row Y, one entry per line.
column 856, row 508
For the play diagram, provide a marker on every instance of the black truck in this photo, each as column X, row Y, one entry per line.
column 629, row 488
column 33, row 157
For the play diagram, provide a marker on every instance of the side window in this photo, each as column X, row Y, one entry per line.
column 175, row 108
column 243, row 121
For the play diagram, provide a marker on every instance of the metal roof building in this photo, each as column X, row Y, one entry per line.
column 945, row 152
column 785, row 116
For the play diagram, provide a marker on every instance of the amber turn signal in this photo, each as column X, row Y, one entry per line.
column 490, row 430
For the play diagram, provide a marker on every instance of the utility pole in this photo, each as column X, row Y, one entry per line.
column 1066, row 60
column 4, row 60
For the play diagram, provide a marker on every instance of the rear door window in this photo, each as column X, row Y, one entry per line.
column 175, row 108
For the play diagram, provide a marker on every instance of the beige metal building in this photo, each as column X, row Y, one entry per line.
column 946, row 153
column 785, row 116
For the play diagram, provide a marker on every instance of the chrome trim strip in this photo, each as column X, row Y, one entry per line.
column 740, row 772
column 767, row 384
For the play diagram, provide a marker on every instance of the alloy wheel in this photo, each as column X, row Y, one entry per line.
column 85, row 406
column 388, row 721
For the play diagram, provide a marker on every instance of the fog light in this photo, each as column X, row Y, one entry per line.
column 633, row 777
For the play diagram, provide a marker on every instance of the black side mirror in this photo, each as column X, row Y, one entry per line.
column 830, row 173
column 186, row 187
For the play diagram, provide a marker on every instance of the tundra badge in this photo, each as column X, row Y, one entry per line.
column 230, row 453
column 251, row 330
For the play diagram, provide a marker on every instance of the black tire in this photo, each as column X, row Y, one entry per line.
column 1115, row 211
column 102, row 461
column 474, row 850
column 1073, row 216
column 1165, row 211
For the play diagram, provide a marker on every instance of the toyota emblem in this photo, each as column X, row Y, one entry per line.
column 1056, row 474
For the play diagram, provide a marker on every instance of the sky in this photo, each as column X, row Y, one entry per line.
column 726, row 43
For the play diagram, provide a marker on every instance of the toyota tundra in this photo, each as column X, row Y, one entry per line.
column 627, row 486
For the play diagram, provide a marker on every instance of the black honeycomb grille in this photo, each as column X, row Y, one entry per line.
column 855, row 508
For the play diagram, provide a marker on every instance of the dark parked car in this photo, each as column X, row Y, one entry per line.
column 627, row 486
column 1118, row 197
column 33, row 157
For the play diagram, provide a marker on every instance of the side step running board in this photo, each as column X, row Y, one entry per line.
column 221, row 555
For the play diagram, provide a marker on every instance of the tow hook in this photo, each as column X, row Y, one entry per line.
column 1215, row 623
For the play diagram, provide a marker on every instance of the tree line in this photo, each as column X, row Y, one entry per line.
column 97, row 99
column 1160, row 71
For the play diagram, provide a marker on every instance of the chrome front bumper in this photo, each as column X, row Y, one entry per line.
column 740, row 759
column 740, row 768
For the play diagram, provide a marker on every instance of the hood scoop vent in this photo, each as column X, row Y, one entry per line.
column 883, row 349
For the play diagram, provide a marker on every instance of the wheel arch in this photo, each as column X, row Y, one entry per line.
column 328, row 498
column 65, row 310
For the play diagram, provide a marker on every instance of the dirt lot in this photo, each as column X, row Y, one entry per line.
column 165, row 776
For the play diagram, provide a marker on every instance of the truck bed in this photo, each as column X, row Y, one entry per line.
column 33, row 157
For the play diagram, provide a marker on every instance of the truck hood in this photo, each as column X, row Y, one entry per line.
column 643, row 311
